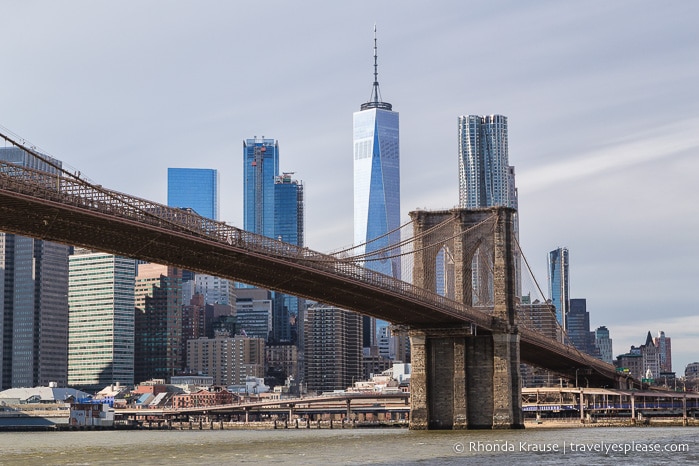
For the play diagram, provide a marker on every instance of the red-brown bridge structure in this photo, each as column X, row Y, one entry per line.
column 465, row 360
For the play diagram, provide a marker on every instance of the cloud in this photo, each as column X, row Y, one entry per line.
column 632, row 150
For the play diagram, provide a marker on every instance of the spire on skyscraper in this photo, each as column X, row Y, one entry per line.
column 375, row 99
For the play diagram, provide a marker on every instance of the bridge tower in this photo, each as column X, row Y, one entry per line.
column 462, row 377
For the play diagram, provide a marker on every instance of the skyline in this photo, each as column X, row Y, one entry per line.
column 601, row 104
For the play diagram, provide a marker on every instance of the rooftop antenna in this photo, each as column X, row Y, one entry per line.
column 375, row 99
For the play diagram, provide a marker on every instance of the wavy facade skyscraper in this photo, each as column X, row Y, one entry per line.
column 376, row 186
column 486, row 179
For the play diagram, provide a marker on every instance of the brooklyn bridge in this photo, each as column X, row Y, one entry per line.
column 465, row 356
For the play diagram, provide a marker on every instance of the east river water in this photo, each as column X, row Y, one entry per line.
column 598, row 445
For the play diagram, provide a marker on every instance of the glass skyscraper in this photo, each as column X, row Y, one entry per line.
column 273, row 207
column 376, row 187
column 559, row 283
column 288, row 209
column 261, row 167
column 486, row 179
column 33, row 300
column 288, row 227
column 194, row 188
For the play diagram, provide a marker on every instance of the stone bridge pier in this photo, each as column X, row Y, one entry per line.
column 467, row 378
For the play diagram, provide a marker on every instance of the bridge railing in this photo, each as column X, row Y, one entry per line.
column 73, row 191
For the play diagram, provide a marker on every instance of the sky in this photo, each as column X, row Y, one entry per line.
column 601, row 98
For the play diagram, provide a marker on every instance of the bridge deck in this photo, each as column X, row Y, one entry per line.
column 70, row 211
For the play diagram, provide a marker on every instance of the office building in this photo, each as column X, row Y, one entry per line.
column 691, row 371
column 215, row 290
column 253, row 312
column 33, row 300
column 101, row 322
column 273, row 207
column 578, row 322
column 559, row 283
column 158, row 338
column 376, row 188
column 289, row 228
column 538, row 316
column 486, row 179
column 664, row 345
column 282, row 362
column 194, row 188
column 260, row 168
column 229, row 360
column 642, row 362
column 333, row 353
column 604, row 344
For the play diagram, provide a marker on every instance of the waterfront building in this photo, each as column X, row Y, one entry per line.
column 691, row 371
column 34, row 310
column 604, row 344
column 333, row 352
column 158, row 322
column 486, row 179
column 204, row 397
column 559, row 283
column 101, row 320
column 648, row 359
column 631, row 363
column 376, row 188
column 229, row 360
column 194, row 188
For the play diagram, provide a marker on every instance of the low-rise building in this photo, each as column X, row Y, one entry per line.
column 214, row 397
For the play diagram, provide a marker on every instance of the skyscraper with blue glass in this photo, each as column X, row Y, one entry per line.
column 376, row 187
column 194, row 188
column 559, row 283
column 273, row 207
column 261, row 167
column 288, row 227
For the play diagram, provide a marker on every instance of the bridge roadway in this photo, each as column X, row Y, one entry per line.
column 69, row 210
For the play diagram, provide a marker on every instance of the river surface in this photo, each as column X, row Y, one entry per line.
column 599, row 445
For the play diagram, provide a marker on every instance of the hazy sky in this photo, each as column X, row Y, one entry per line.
column 601, row 98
